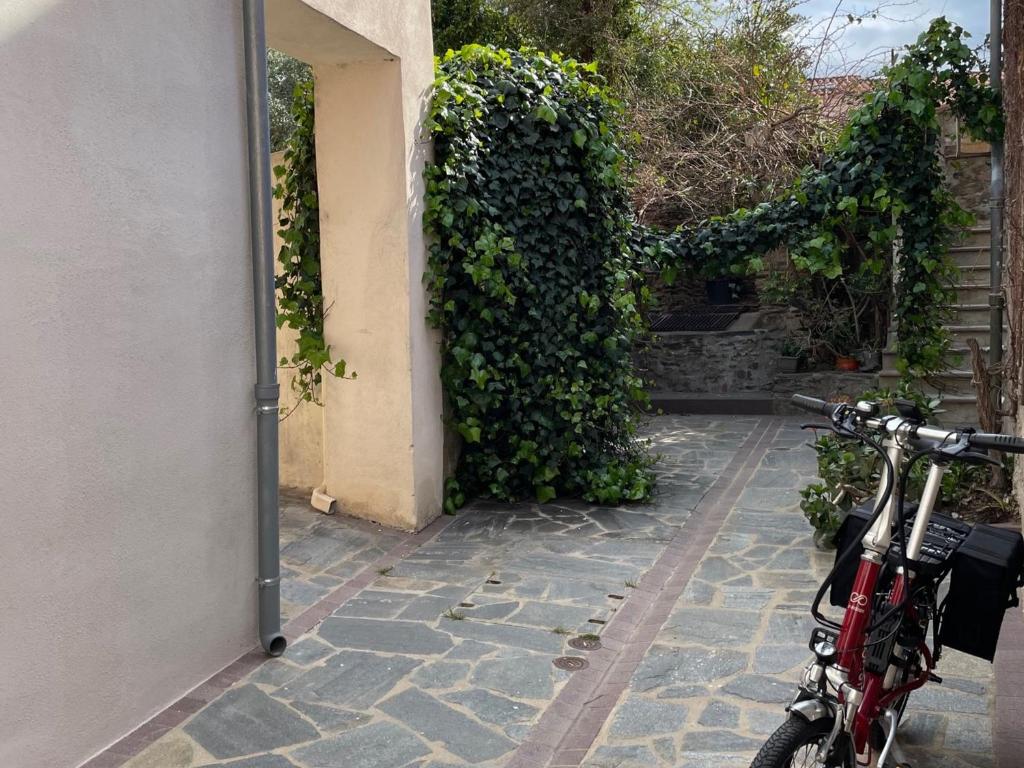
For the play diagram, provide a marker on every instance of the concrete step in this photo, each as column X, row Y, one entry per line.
column 954, row 382
column 969, row 255
column 960, row 332
column 969, row 314
column 959, row 356
column 980, row 236
column 968, row 293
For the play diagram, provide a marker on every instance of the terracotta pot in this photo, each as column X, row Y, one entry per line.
column 844, row 363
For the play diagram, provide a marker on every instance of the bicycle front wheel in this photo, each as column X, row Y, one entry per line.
column 795, row 745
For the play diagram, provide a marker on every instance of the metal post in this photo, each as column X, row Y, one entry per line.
column 267, row 390
column 996, row 301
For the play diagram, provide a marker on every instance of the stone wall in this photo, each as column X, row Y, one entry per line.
column 721, row 362
column 740, row 363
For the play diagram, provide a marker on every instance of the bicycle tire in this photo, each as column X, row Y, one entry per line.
column 790, row 738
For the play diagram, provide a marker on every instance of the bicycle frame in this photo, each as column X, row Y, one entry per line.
column 865, row 694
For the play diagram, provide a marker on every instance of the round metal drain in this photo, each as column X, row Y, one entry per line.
column 582, row 643
column 571, row 663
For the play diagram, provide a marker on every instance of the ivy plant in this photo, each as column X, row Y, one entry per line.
column 883, row 181
column 300, row 303
column 533, row 281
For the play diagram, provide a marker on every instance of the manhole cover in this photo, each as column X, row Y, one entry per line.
column 571, row 663
column 585, row 643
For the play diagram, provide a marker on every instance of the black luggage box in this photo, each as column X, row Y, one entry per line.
column 987, row 570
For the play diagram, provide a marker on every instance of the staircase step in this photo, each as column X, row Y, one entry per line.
column 976, row 237
column 957, row 382
column 970, row 314
column 972, row 294
column 970, row 255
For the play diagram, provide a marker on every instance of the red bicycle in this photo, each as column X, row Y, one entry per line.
column 891, row 557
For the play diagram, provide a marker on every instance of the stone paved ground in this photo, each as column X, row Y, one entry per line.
column 443, row 655
column 445, row 658
column 716, row 680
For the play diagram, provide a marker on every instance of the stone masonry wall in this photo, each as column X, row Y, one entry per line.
column 716, row 363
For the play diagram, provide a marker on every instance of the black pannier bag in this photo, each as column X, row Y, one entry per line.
column 987, row 570
column 851, row 531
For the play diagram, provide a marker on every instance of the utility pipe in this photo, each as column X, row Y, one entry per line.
column 996, row 302
column 267, row 389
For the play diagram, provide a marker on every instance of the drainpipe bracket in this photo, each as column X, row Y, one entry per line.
column 996, row 300
column 268, row 583
column 268, row 393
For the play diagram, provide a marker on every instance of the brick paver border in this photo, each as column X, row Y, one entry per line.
column 127, row 747
column 571, row 723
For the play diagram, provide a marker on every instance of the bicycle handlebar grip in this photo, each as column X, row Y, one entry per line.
column 1004, row 443
column 813, row 404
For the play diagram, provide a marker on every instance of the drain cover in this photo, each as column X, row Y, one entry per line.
column 571, row 663
column 581, row 643
column 699, row 320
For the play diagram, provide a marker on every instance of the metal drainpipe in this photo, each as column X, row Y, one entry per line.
column 267, row 390
column 996, row 301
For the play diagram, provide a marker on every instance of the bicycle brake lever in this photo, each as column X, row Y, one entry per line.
column 973, row 457
column 818, row 425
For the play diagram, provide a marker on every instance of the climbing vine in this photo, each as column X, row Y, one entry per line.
column 300, row 292
column 880, row 190
column 533, row 282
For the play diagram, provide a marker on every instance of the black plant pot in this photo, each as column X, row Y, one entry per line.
column 719, row 291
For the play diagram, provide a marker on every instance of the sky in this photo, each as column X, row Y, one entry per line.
column 900, row 22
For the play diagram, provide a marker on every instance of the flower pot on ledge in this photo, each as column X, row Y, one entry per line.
column 846, row 363
column 789, row 364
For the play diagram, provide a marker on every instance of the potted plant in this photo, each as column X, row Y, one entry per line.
column 870, row 358
column 840, row 335
column 792, row 354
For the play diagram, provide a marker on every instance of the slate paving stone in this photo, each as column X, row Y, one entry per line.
column 524, row 677
column 720, row 714
column 260, row 761
column 440, row 674
column 353, row 679
column 492, row 708
column 643, row 717
column 665, row 665
column 378, row 745
column 384, row 636
column 438, row 722
column 301, row 592
column 307, row 651
column 776, row 659
column 246, row 720
column 503, row 634
column 498, row 610
column 712, row 626
column 622, row 757
column 275, row 673
column 552, row 615
column 719, row 741
column 766, row 690
column 470, row 650
column 328, row 719
column 375, row 605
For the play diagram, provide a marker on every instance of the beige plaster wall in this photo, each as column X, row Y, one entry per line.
column 127, row 483
column 383, row 436
column 301, row 432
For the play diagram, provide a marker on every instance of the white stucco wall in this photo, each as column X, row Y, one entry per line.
column 127, row 484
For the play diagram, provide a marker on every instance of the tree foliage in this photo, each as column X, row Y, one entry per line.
column 300, row 302
column 882, row 182
column 533, row 281
column 283, row 74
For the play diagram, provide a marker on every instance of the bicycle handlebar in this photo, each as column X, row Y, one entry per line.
column 897, row 425
column 814, row 405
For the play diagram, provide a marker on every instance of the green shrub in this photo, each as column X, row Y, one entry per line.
column 533, row 281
